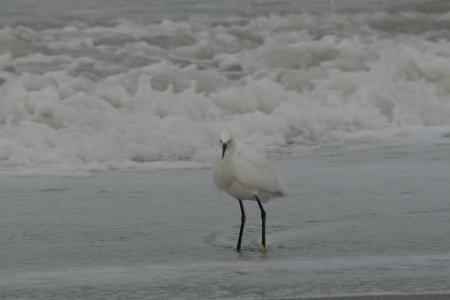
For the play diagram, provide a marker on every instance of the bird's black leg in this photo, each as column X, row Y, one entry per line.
column 263, row 219
column 243, row 218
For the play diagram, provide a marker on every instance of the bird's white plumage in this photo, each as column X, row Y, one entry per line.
column 243, row 172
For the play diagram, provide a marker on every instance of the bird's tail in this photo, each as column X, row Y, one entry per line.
column 283, row 190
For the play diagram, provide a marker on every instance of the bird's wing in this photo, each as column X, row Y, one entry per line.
column 254, row 171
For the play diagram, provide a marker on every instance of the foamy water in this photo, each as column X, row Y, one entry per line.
column 115, row 93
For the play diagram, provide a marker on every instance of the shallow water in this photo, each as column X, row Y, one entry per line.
column 357, row 222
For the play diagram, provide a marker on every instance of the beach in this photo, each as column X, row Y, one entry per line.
column 357, row 222
column 110, row 117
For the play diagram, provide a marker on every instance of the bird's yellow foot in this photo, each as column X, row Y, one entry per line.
column 263, row 249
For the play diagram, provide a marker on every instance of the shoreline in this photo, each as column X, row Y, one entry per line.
column 355, row 223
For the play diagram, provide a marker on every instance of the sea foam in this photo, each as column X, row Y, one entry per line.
column 130, row 92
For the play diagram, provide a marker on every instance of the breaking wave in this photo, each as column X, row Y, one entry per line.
column 129, row 91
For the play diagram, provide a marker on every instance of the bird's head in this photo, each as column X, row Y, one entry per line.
column 225, row 140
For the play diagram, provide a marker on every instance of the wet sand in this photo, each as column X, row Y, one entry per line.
column 369, row 223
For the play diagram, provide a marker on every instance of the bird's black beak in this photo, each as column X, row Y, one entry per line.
column 224, row 148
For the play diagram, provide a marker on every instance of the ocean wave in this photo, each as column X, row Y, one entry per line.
column 129, row 91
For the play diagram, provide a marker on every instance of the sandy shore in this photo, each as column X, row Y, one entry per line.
column 357, row 222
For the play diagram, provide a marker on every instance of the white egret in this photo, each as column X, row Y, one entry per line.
column 246, row 174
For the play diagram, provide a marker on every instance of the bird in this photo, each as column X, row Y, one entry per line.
column 246, row 174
